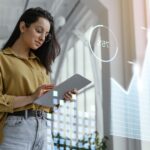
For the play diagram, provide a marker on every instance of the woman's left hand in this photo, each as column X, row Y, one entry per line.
column 69, row 94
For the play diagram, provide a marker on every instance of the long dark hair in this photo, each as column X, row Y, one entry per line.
column 50, row 48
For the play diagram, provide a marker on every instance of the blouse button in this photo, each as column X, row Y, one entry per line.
column 7, row 103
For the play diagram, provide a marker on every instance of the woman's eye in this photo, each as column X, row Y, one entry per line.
column 39, row 31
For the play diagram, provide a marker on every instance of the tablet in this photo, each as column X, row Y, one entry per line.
column 53, row 97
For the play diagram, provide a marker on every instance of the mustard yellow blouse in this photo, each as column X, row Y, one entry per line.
column 19, row 77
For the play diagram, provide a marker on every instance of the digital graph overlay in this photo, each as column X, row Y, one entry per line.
column 71, row 126
column 130, row 114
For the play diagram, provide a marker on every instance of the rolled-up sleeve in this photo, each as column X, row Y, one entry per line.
column 6, row 101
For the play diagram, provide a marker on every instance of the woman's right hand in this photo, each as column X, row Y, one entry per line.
column 41, row 90
column 21, row 101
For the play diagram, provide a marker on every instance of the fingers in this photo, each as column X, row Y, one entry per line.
column 69, row 94
column 45, row 88
column 74, row 91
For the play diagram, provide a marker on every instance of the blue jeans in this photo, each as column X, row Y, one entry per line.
column 25, row 134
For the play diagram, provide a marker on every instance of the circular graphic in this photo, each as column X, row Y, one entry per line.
column 110, row 46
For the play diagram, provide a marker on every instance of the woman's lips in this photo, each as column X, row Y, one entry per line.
column 38, row 43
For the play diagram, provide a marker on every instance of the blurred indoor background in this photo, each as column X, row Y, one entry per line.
column 108, row 43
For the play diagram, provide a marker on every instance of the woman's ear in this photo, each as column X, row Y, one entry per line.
column 22, row 26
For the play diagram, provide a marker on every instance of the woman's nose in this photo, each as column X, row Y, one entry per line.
column 42, row 37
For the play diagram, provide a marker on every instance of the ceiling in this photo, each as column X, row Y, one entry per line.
column 10, row 11
column 75, row 14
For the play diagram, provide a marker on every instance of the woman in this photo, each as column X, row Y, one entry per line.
column 25, row 65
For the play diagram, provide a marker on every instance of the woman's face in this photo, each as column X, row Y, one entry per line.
column 35, row 35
